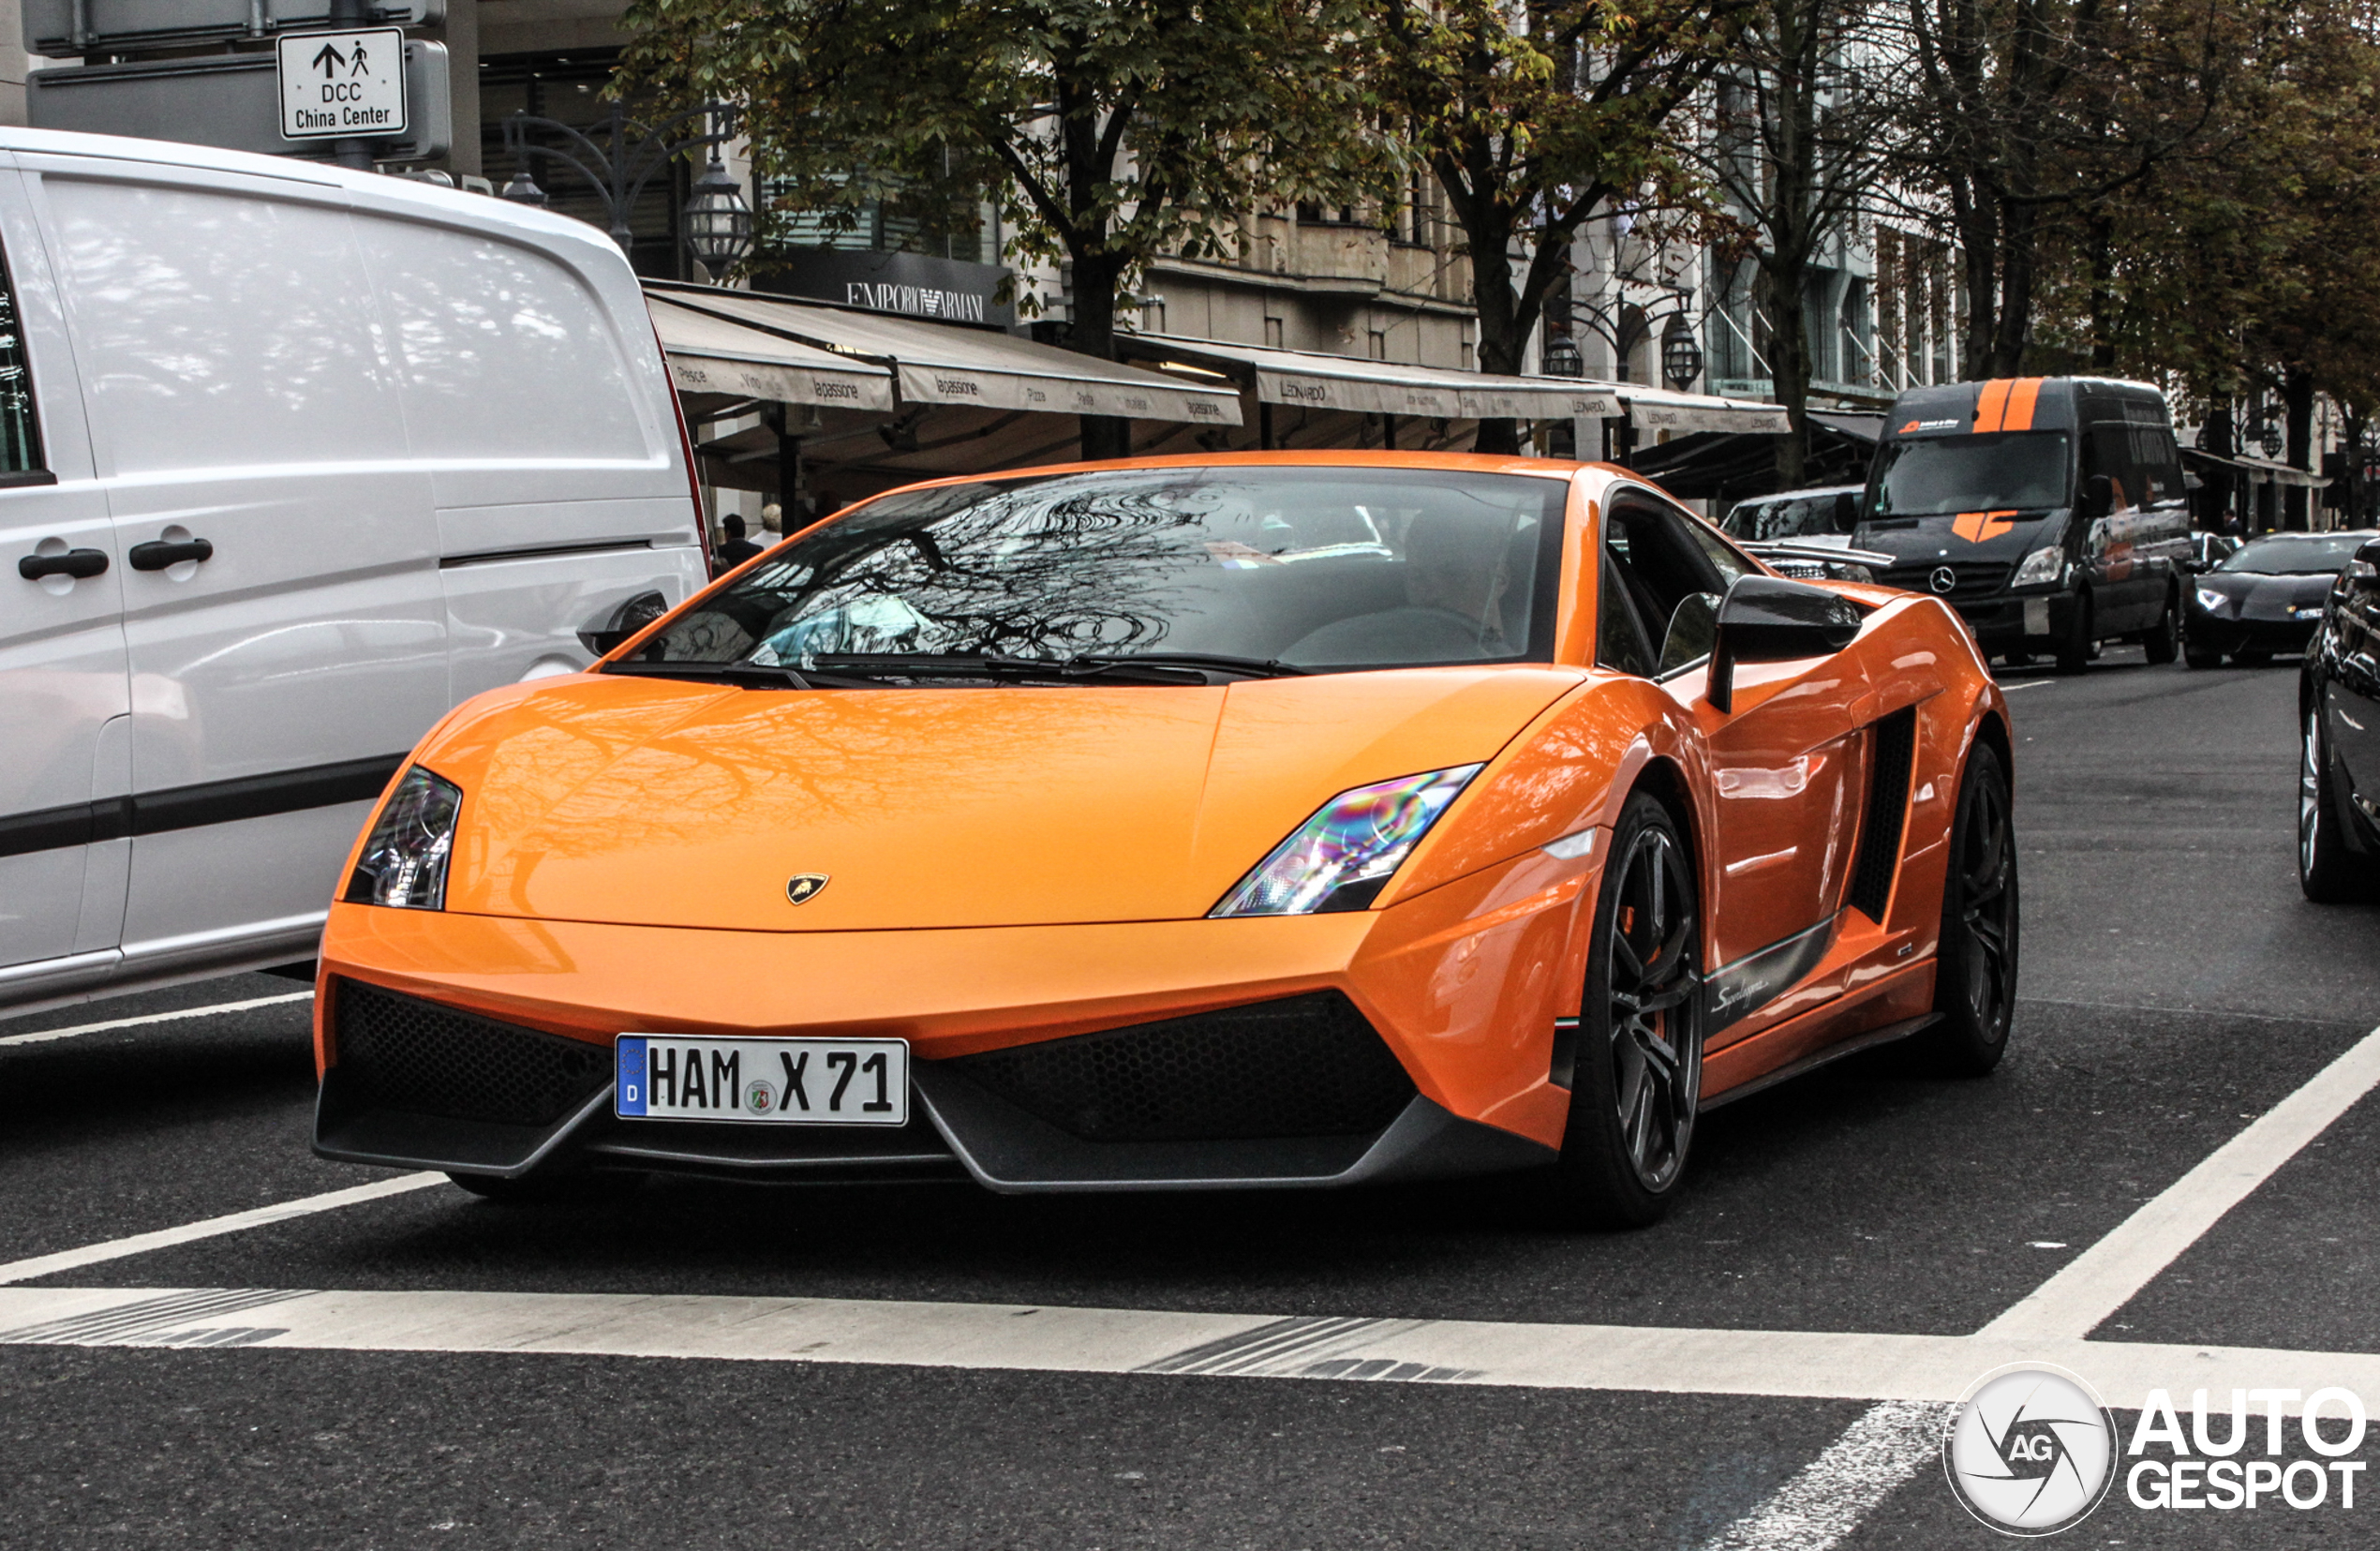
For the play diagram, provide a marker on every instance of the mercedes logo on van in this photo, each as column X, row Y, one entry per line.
column 2031, row 1450
column 802, row 887
column 1943, row 579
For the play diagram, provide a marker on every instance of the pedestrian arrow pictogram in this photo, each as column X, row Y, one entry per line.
column 329, row 90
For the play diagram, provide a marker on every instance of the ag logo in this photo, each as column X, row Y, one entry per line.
column 802, row 887
column 2032, row 1451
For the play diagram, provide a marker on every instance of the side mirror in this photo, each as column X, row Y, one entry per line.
column 2099, row 496
column 1846, row 512
column 602, row 636
column 1767, row 620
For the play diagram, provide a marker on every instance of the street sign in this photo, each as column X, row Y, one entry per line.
column 342, row 86
column 63, row 29
column 229, row 100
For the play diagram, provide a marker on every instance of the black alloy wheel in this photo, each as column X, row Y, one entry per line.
column 1638, row 1076
column 2075, row 645
column 2325, row 872
column 2161, row 641
column 1975, row 966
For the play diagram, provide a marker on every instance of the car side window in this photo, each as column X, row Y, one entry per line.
column 19, row 429
column 1667, row 571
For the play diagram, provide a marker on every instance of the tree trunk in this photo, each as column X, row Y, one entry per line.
column 2296, row 393
column 2103, row 290
column 1789, row 361
column 1093, row 331
column 1979, row 271
column 2015, row 330
column 1504, row 338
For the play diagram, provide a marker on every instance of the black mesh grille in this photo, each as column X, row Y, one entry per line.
column 1973, row 578
column 1303, row 1067
column 400, row 1052
column 1887, row 812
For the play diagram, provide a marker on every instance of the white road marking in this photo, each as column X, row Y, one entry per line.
column 2026, row 684
column 1928, row 1371
column 43, row 1035
column 236, row 1222
column 1828, row 1496
column 2107, row 1275
column 2058, row 1314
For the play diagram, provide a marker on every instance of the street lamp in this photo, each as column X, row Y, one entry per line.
column 716, row 216
column 1562, row 357
column 718, row 224
column 1681, row 356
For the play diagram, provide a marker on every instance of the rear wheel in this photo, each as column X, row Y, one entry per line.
column 2162, row 640
column 1639, row 1073
column 2326, row 872
column 2074, row 647
column 1975, row 966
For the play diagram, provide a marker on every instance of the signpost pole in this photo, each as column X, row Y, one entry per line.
column 355, row 154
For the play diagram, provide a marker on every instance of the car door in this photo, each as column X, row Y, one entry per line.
column 63, row 698
column 1787, row 766
column 283, row 621
column 2351, row 692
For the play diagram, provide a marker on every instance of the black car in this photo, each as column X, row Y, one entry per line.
column 2267, row 597
column 2338, row 719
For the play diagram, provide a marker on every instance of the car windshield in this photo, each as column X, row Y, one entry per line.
column 1945, row 475
column 1239, row 569
column 2326, row 556
column 1784, row 516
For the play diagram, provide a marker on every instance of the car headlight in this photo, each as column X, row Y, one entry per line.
column 1344, row 855
column 2040, row 568
column 404, row 860
column 2212, row 601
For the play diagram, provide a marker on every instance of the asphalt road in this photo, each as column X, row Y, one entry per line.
column 2175, row 989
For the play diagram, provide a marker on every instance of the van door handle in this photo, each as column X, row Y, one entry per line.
column 78, row 563
column 158, row 554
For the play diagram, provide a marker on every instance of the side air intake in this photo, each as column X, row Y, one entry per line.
column 1879, row 831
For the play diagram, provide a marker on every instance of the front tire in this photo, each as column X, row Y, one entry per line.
column 2325, row 872
column 2163, row 640
column 1638, row 1076
column 2074, row 647
column 1975, row 965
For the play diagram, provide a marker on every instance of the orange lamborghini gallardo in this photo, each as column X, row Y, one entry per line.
column 1270, row 820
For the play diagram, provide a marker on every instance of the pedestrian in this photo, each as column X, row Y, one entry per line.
column 737, row 548
column 773, row 520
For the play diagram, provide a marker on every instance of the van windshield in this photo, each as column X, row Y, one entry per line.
column 1944, row 475
column 1230, row 569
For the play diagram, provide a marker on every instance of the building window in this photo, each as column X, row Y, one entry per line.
column 1378, row 340
column 1272, row 334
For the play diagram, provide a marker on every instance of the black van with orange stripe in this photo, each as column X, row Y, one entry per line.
column 2048, row 511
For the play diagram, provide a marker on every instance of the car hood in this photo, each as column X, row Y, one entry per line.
column 645, row 802
column 1993, row 537
column 2257, row 596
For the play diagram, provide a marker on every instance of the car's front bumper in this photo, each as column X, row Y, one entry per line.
column 2018, row 623
column 1461, row 985
column 2213, row 632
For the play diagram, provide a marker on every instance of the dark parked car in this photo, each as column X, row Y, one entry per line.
column 2339, row 718
column 2048, row 511
column 2267, row 597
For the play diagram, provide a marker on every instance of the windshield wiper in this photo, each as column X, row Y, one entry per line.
column 751, row 675
column 1244, row 667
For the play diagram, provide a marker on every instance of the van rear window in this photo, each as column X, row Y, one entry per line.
column 1941, row 476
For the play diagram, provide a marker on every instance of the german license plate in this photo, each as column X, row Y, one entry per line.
column 771, row 1082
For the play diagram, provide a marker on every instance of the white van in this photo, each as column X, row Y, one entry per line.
column 291, row 460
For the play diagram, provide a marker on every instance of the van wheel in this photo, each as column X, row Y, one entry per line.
column 2325, row 872
column 1639, row 1073
column 1975, row 965
column 2074, row 647
column 2162, row 640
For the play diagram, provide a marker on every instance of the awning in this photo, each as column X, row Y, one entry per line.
column 710, row 355
column 2262, row 470
column 1659, row 410
column 940, row 364
column 1310, row 380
